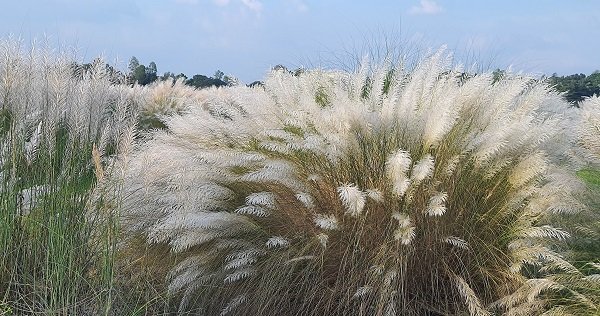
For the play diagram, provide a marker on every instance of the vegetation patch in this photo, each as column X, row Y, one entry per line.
column 382, row 191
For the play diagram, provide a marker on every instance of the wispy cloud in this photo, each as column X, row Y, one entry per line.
column 253, row 5
column 298, row 5
column 221, row 2
column 426, row 7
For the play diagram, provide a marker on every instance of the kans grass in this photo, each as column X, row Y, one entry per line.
column 391, row 190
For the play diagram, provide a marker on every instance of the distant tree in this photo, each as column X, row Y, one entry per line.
column 79, row 71
column 181, row 75
column 298, row 71
column 231, row 80
column 167, row 76
column 201, row 81
column 139, row 74
column 280, row 67
column 578, row 86
column 151, row 74
column 115, row 76
column 152, row 68
column 256, row 83
column 594, row 81
column 133, row 64
column 171, row 76
column 497, row 74
column 219, row 75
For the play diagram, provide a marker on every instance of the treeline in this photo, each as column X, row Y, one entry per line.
column 143, row 75
column 575, row 87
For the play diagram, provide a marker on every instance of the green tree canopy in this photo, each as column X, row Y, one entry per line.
column 201, row 81
column 140, row 74
column 578, row 86
column 133, row 64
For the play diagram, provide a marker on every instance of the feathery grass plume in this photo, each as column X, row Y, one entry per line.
column 581, row 282
column 436, row 205
column 482, row 173
column 52, row 242
column 561, row 265
column 398, row 165
column 353, row 199
column 589, row 128
column 162, row 99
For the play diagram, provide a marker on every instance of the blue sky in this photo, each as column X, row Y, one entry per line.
column 246, row 37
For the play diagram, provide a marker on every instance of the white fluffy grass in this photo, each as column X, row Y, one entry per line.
column 380, row 191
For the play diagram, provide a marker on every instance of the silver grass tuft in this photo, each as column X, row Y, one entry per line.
column 446, row 181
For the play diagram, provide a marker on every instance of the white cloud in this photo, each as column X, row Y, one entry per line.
column 254, row 5
column 221, row 2
column 426, row 7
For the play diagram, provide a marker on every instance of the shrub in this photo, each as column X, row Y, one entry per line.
column 379, row 192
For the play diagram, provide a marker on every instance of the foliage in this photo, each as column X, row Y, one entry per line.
column 81, row 70
column 169, row 76
column 201, row 81
column 578, row 86
column 140, row 74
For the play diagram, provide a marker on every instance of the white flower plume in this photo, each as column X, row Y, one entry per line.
column 353, row 199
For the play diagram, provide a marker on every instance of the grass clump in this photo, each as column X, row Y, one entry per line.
column 51, row 121
column 383, row 191
column 378, row 192
column 163, row 99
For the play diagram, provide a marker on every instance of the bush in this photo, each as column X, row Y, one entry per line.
column 385, row 191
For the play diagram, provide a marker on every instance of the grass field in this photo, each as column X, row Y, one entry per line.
column 387, row 191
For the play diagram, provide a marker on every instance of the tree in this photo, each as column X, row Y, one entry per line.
column 201, row 81
column 139, row 74
column 172, row 77
column 231, row 80
column 133, row 64
column 167, row 75
column 80, row 70
column 151, row 74
column 256, row 83
column 218, row 75
column 152, row 68
column 578, row 86
column 498, row 74
column 280, row 67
